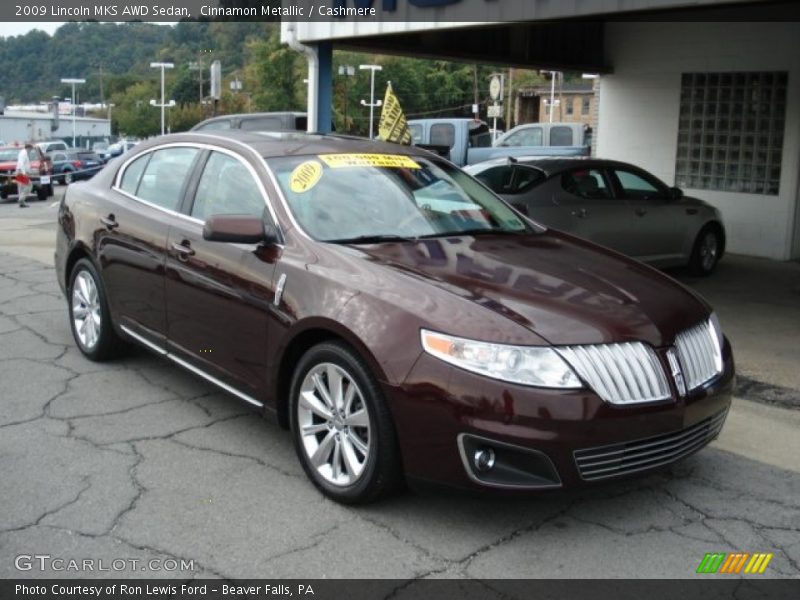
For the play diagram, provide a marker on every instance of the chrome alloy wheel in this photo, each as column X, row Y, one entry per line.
column 334, row 424
column 709, row 247
column 86, row 310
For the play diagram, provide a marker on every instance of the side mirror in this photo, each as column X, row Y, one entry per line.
column 675, row 193
column 239, row 229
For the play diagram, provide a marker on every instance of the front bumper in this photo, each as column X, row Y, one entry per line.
column 443, row 414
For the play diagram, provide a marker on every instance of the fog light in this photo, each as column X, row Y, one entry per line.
column 483, row 459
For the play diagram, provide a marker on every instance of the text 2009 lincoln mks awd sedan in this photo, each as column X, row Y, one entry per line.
column 401, row 320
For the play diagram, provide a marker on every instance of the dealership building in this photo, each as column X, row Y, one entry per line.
column 705, row 94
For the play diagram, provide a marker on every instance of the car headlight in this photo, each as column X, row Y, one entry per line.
column 526, row 365
column 716, row 331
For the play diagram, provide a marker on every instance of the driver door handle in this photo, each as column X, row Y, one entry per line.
column 183, row 250
column 110, row 222
column 580, row 213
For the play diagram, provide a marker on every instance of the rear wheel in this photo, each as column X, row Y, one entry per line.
column 342, row 430
column 41, row 192
column 68, row 178
column 706, row 251
column 89, row 317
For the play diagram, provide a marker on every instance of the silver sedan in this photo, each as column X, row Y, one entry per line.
column 614, row 204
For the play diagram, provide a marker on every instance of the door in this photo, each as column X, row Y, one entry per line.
column 658, row 224
column 219, row 295
column 132, row 238
column 589, row 209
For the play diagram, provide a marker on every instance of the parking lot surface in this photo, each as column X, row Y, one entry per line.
column 136, row 459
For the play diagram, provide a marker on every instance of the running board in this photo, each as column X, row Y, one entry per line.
column 190, row 367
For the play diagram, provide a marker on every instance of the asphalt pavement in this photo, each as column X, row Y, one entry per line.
column 136, row 460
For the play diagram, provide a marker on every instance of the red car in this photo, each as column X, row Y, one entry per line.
column 401, row 320
column 41, row 172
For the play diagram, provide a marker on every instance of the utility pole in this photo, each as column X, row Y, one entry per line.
column 347, row 71
column 73, row 82
column 509, row 108
column 373, row 104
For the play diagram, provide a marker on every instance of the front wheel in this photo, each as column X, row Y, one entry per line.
column 706, row 251
column 89, row 316
column 342, row 430
column 68, row 178
column 41, row 192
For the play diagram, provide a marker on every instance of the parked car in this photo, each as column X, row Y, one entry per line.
column 268, row 121
column 41, row 170
column 117, row 149
column 52, row 145
column 467, row 141
column 74, row 164
column 612, row 203
column 392, row 312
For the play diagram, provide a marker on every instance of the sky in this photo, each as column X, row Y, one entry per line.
column 9, row 29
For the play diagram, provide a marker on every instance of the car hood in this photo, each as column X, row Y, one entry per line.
column 565, row 290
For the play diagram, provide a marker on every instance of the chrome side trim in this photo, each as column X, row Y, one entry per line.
column 210, row 378
column 279, row 289
column 144, row 341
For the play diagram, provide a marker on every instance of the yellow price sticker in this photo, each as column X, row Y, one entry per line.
column 305, row 176
column 389, row 161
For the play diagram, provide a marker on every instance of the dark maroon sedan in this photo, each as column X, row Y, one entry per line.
column 393, row 313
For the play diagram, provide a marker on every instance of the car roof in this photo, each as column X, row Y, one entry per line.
column 288, row 143
column 552, row 165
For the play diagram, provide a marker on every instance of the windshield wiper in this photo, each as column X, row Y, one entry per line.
column 476, row 231
column 373, row 239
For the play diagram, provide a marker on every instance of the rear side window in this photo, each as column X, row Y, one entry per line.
column 132, row 175
column 163, row 178
column 226, row 188
column 586, row 183
column 561, row 136
column 416, row 133
column 443, row 134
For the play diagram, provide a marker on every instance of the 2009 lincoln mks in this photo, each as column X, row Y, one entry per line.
column 392, row 312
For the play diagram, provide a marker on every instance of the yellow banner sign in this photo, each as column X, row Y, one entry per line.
column 388, row 161
column 392, row 126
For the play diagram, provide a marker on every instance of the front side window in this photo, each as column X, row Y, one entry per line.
column 163, row 178
column 226, row 187
column 352, row 197
column 530, row 136
column 636, row 186
column 212, row 125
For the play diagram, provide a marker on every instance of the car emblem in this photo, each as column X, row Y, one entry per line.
column 677, row 373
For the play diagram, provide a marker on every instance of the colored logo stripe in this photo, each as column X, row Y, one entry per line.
column 733, row 563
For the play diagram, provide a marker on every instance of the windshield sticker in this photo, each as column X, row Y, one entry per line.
column 305, row 176
column 388, row 161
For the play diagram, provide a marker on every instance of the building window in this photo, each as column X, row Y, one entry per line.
column 585, row 104
column 570, row 108
column 730, row 132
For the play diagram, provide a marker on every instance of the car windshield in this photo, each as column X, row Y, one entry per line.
column 377, row 197
column 8, row 154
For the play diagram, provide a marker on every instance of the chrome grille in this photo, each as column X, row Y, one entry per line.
column 700, row 354
column 647, row 453
column 619, row 373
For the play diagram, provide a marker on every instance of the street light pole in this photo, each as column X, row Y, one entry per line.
column 73, row 81
column 162, row 66
column 347, row 71
column 372, row 103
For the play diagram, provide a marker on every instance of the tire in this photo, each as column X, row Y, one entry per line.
column 86, row 292
column 41, row 192
column 68, row 178
column 357, row 449
column 706, row 251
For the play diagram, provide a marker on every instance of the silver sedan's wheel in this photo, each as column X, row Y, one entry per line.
column 709, row 248
column 707, row 251
column 86, row 315
column 334, row 424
